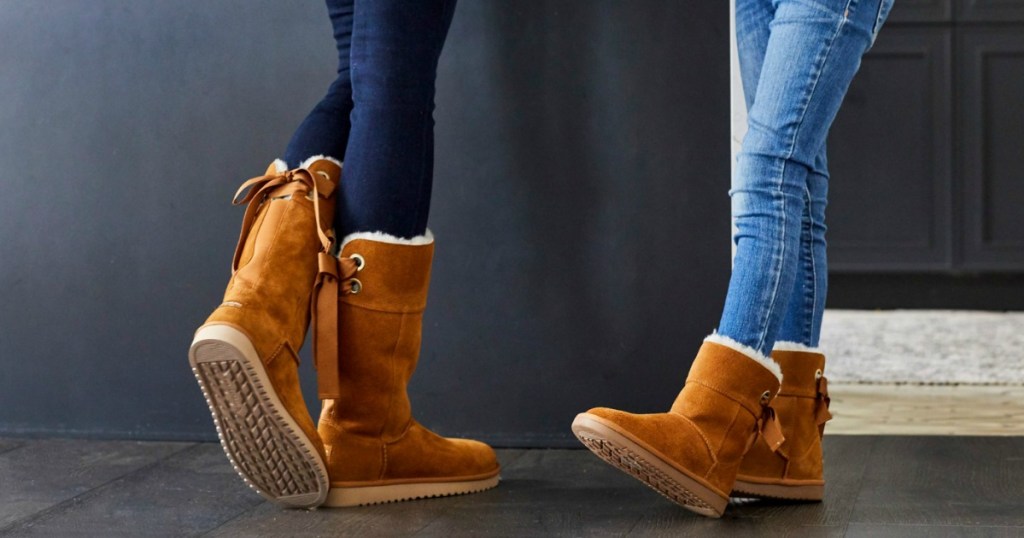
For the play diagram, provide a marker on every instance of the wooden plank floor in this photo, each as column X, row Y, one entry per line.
column 996, row 410
column 877, row 486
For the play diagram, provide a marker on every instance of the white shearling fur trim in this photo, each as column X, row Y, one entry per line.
column 382, row 237
column 796, row 346
column 280, row 166
column 750, row 352
column 316, row 158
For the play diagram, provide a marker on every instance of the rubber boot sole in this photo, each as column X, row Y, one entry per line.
column 620, row 450
column 264, row 443
column 788, row 492
column 388, row 493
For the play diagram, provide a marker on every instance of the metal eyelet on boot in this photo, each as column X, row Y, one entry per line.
column 359, row 261
column 818, row 374
column 357, row 286
column 766, row 397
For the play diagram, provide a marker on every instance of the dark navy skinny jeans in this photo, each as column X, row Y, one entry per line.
column 377, row 116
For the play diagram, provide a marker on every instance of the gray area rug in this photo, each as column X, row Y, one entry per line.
column 925, row 347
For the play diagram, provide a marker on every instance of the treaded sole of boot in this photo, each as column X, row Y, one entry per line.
column 264, row 443
column 795, row 492
column 340, row 497
column 625, row 454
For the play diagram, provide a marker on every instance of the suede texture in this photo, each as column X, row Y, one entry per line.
column 712, row 422
column 369, row 431
column 268, row 295
column 799, row 460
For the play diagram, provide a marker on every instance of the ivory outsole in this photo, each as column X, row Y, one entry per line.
column 783, row 491
column 346, row 496
column 621, row 451
column 264, row 443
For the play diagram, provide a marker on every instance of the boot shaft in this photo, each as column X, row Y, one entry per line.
column 803, row 400
column 275, row 260
column 802, row 406
column 379, row 335
column 728, row 397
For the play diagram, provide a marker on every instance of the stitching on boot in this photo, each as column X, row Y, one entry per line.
column 728, row 431
column 277, row 351
column 724, row 394
column 408, row 428
column 270, row 247
column 345, row 300
column 391, row 381
column 707, row 442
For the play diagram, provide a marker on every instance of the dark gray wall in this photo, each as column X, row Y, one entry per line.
column 580, row 203
column 937, row 108
column 932, row 219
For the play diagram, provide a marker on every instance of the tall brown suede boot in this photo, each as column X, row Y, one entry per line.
column 794, row 471
column 246, row 354
column 376, row 451
column 691, row 454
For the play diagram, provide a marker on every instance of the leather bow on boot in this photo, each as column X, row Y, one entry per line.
column 794, row 470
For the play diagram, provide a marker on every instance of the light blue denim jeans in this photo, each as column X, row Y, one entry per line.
column 797, row 58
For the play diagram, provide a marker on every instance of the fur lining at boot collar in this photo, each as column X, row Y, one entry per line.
column 282, row 166
column 750, row 353
column 796, row 346
column 316, row 158
column 382, row 237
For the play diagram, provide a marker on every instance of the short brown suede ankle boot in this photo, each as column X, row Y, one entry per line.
column 376, row 451
column 691, row 454
column 794, row 471
column 246, row 354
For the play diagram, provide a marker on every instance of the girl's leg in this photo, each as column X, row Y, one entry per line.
column 813, row 51
column 389, row 160
column 377, row 116
column 692, row 454
column 753, row 20
column 325, row 130
column 801, row 322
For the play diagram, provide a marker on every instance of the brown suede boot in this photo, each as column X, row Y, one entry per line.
column 246, row 354
column 691, row 454
column 376, row 451
column 794, row 471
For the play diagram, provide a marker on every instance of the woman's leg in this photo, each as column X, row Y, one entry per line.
column 813, row 51
column 325, row 131
column 389, row 160
column 801, row 322
column 377, row 116
column 802, row 319
column 386, row 188
column 693, row 453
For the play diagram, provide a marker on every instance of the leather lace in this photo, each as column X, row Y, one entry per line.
column 770, row 428
column 333, row 276
column 255, row 193
column 333, row 279
column 821, row 412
